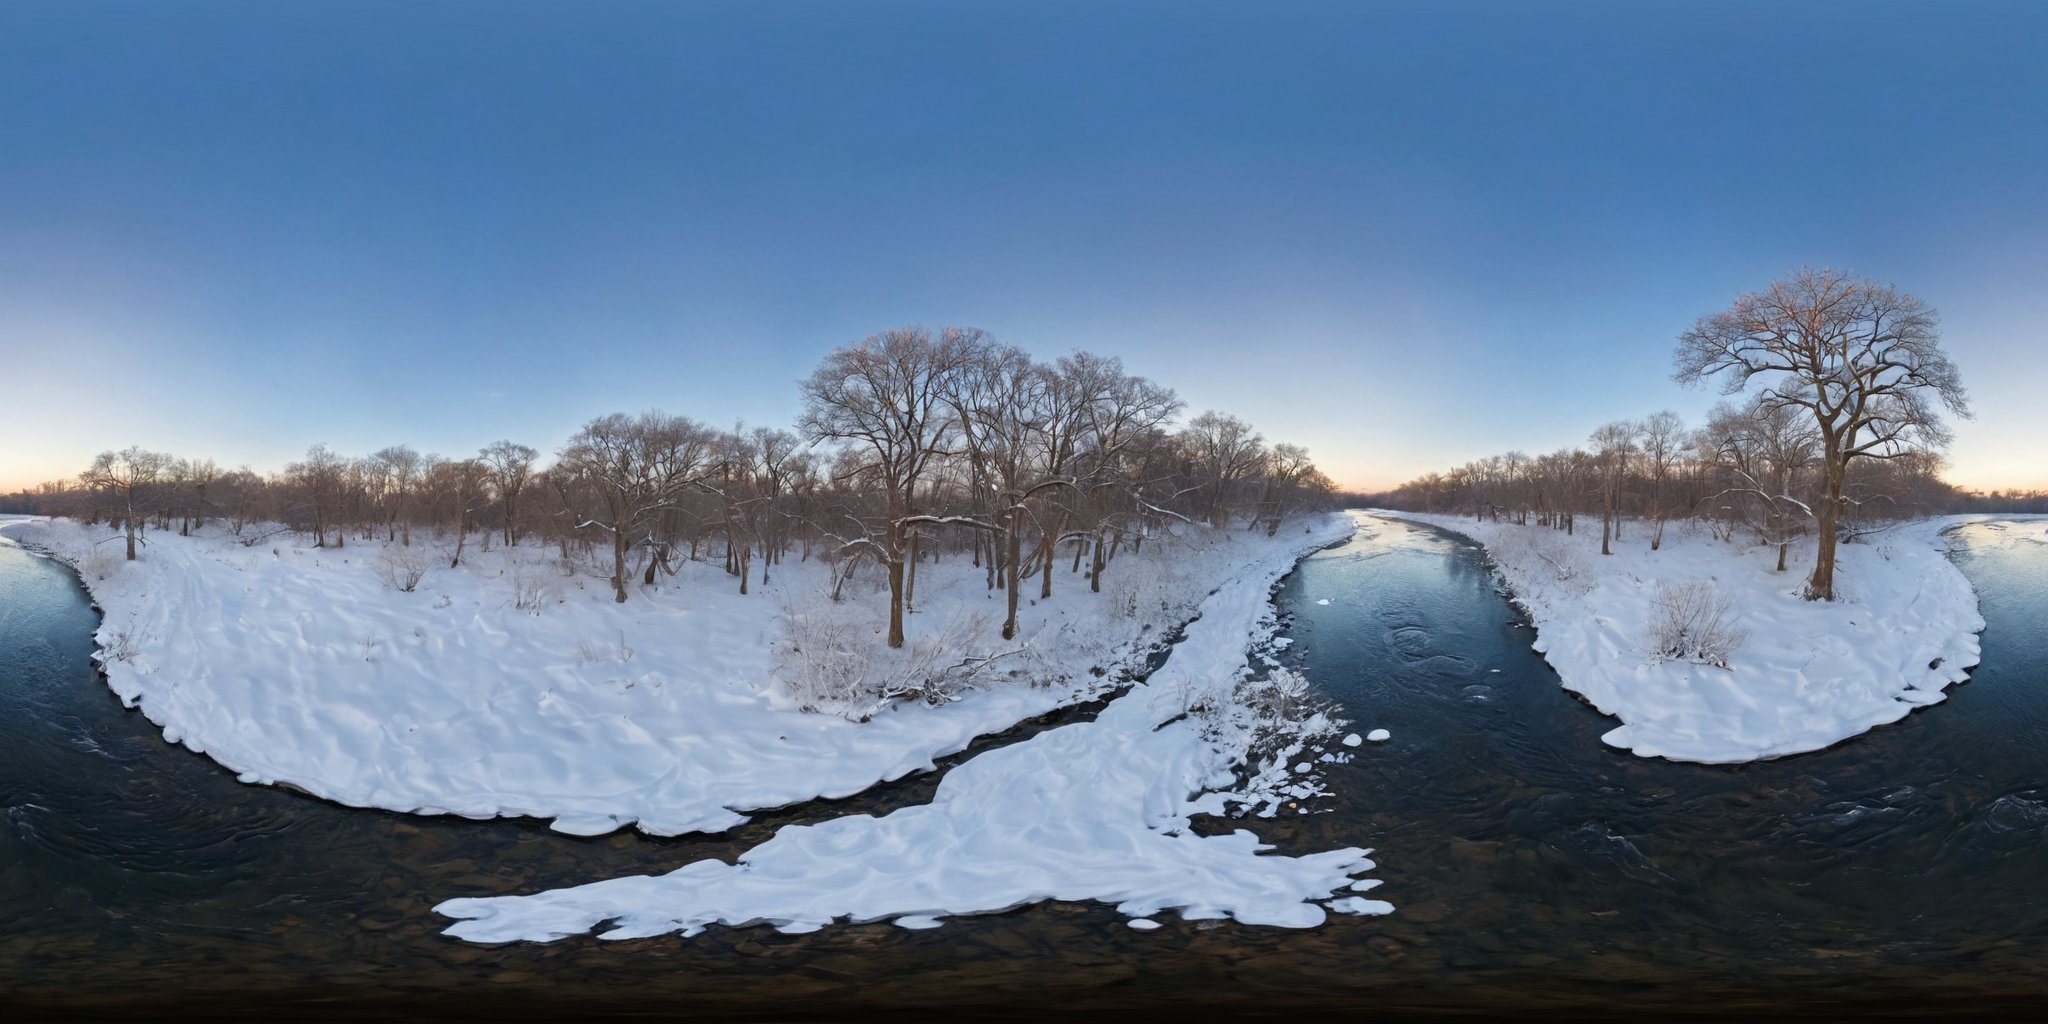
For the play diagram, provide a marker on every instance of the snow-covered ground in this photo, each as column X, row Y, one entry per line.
column 1096, row 810
column 1805, row 674
column 289, row 664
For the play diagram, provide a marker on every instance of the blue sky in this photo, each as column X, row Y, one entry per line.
column 1403, row 235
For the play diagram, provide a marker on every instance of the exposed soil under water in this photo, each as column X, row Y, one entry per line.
column 1533, row 867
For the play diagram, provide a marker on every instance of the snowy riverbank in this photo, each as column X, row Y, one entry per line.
column 1096, row 810
column 1805, row 675
column 507, row 688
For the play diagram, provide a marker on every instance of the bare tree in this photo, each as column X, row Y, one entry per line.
column 635, row 468
column 319, row 482
column 130, row 479
column 885, row 398
column 1225, row 449
column 458, row 487
column 398, row 470
column 1764, row 448
column 1122, row 413
column 1003, row 404
column 1663, row 443
column 1292, row 481
column 510, row 466
column 1614, row 446
column 778, row 466
column 1864, row 359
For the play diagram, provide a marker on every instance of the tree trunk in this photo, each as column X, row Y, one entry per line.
column 991, row 564
column 618, row 564
column 1607, row 521
column 1095, row 566
column 910, row 581
column 1051, row 541
column 1015, row 551
column 895, row 584
column 1821, row 587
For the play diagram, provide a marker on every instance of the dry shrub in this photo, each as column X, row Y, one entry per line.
column 1286, row 711
column 401, row 567
column 834, row 659
column 1546, row 560
column 533, row 587
column 1689, row 622
column 101, row 561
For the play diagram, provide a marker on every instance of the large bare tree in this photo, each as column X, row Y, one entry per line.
column 885, row 398
column 1864, row 359
column 634, row 468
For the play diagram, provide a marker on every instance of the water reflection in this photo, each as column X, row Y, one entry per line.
column 1533, row 867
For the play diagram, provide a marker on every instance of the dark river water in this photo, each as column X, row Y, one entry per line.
column 1535, row 869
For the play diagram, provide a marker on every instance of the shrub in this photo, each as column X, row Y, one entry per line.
column 101, row 561
column 834, row 660
column 1689, row 622
column 401, row 567
column 533, row 588
column 1542, row 561
column 1286, row 711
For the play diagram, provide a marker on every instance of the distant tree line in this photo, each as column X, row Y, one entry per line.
column 913, row 445
column 1833, row 430
column 1747, row 468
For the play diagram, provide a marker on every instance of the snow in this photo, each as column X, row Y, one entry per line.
column 1360, row 905
column 1351, row 740
column 1096, row 810
column 1809, row 673
column 1379, row 736
column 289, row 664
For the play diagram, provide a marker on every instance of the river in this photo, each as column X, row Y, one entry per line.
column 1533, row 867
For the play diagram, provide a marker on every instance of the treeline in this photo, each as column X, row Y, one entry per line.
column 911, row 444
column 1756, row 467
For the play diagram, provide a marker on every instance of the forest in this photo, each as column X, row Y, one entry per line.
column 912, row 445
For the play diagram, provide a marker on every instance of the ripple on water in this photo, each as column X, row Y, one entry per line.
column 2015, row 812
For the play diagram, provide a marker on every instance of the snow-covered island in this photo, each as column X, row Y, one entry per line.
column 1778, row 674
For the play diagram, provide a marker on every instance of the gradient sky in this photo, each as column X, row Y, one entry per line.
column 1404, row 235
